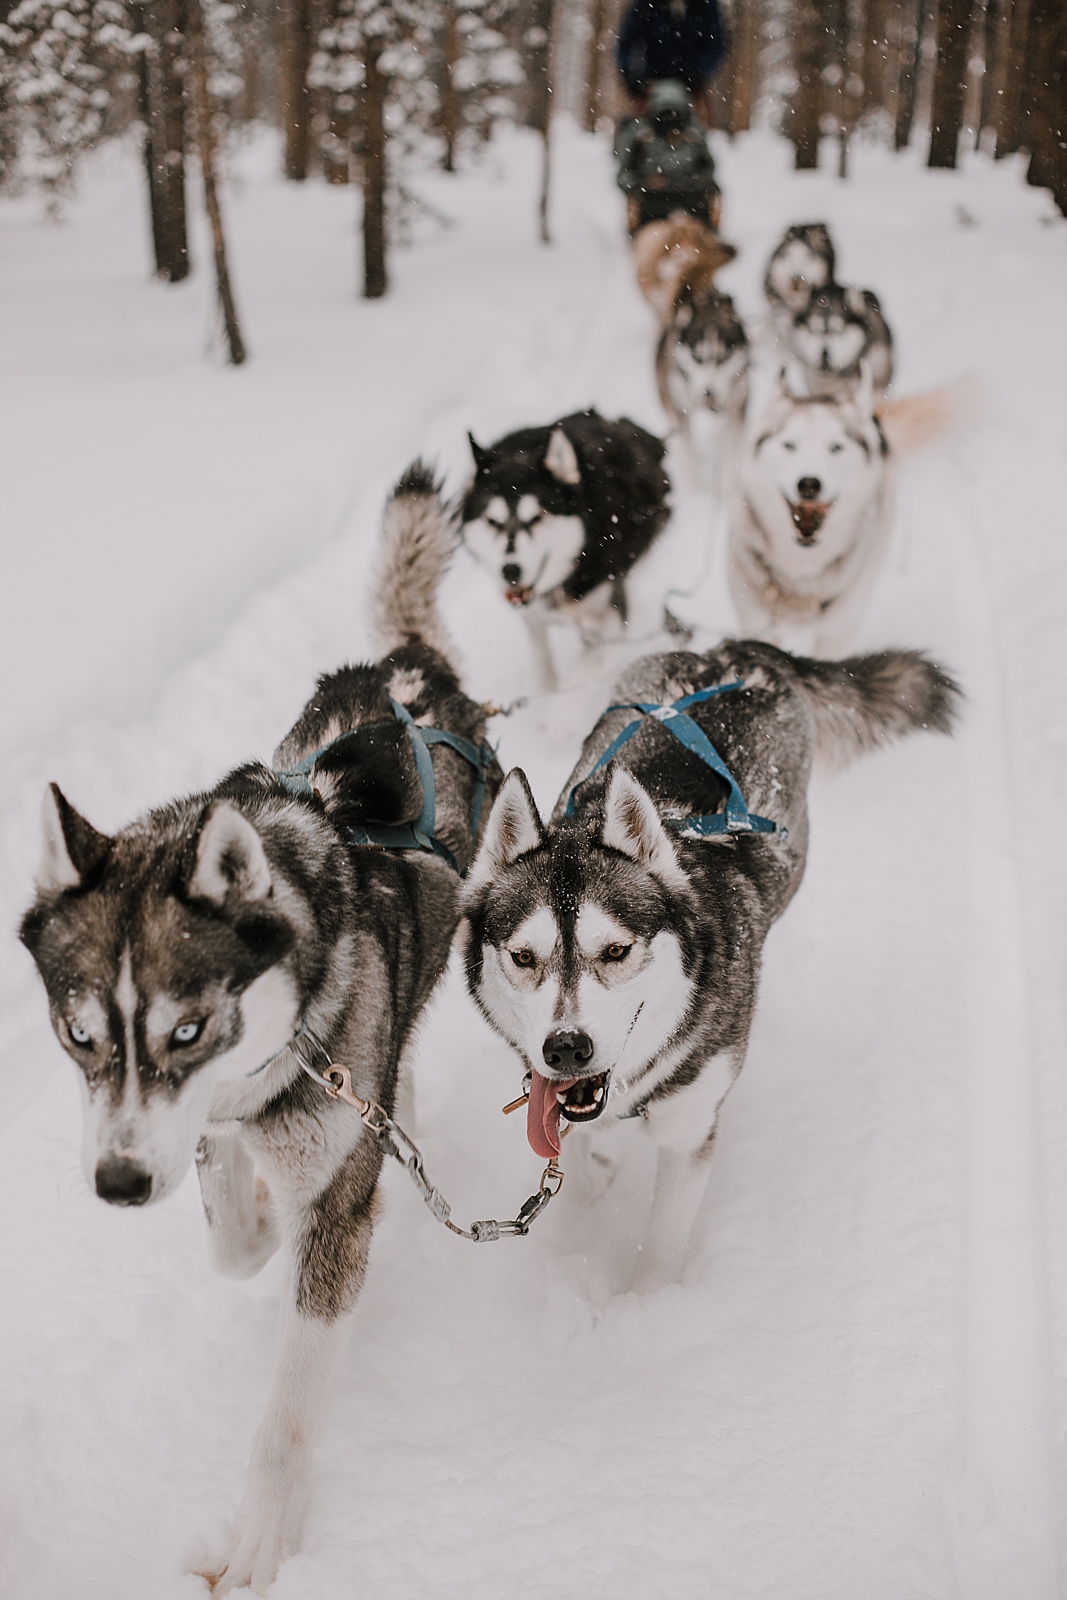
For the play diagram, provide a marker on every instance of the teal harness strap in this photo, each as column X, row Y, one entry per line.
column 417, row 835
column 737, row 818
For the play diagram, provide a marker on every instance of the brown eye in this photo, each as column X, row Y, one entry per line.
column 524, row 958
column 617, row 952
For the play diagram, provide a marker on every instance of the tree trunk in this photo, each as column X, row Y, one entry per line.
column 1009, row 128
column 950, row 81
column 908, row 76
column 538, row 64
column 294, row 59
column 205, row 140
column 594, row 61
column 1048, row 119
column 163, row 108
column 989, row 32
column 373, row 107
column 744, row 23
column 875, row 55
column 451, row 102
column 810, row 41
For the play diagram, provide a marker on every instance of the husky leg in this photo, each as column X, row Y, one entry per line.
column 242, row 1234
column 537, row 628
column 330, row 1258
column 683, row 1127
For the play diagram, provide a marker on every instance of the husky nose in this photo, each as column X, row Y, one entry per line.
column 122, row 1183
column 567, row 1051
column 511, row 573
column 808, row 488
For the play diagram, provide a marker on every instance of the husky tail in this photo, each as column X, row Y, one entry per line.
column 866, row 701
column 922, row 419
column 417, row 545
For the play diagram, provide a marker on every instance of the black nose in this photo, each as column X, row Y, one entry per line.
column 122, row 1183
column 808, row 488
column 567, row 1052
column 511, row 573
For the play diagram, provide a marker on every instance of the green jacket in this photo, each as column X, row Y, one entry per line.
column 686, row 165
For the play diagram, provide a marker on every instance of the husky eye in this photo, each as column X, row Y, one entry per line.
column 79, row 1034
column 836, row 448
column 524, row 958
column 787, row 444
column 186, row 1033
column 617, row 952
column 531, row 522
column 497, row 527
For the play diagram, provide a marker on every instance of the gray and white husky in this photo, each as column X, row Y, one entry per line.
column 193, row 960
column 809, row 519
column 616, row 949
column 702, row 363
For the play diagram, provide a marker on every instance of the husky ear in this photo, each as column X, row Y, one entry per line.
column 632, row 826
column 480, row 455
column 230, row 859
column 560, row 458
column 71, row 848
column 513, row 829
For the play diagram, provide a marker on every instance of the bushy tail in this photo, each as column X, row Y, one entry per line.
column 922, row 419
column 417, row 544
column 866, row 701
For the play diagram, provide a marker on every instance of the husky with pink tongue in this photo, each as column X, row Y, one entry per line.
column 617, row 947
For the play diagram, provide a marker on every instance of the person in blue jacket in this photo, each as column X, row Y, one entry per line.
column 680, row 39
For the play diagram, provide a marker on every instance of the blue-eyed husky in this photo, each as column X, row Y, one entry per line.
column 198, row 957
column 617, row 949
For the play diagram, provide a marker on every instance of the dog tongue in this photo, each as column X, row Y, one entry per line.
column 542, row 1114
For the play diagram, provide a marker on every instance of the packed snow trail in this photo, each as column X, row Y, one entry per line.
column 860, row 1388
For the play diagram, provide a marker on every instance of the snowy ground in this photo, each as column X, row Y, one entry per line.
column 861, row 1388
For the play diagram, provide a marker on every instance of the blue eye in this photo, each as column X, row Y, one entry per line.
column 187, row 1033
column 79, row 1034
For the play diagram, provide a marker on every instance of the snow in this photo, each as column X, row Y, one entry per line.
column 861, row 1387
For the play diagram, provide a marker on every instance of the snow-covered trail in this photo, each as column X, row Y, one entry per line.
column 861, row 1387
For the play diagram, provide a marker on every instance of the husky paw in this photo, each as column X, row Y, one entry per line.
column 253, row 1555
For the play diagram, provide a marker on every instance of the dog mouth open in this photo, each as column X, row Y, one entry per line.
column 808, row 517
column 576, row 1099
column 519, row 594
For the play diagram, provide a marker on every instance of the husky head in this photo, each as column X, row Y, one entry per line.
column 802, row 262
column 815, row 453
column 830, row 333
column 575, row 946
column 521, row 514
column 164, row 954
column 711, row 349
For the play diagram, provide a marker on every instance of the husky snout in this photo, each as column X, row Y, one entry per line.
column 569, row 1050
column 122, row 1182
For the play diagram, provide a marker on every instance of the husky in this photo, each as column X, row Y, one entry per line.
column 838, row 331
column 675, row 256
column 617, row 949
column 203, row 960
column 803, row 260
column 561, row 513
column 810, row 516
column 702, row 371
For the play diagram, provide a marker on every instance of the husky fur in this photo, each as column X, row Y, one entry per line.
column 838, row 331
column 809, row 519
column 803, row 260
column 182, row 956
column 677, row 255
column 702, row 368
column 561, row 513
column 621, row 961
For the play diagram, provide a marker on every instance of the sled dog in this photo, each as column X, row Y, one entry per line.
column 837, row 332
column 561, row 513
column 702, row 372
column 809, row 519
column 803, row 260
column 676, row 255
column 197, row 958
column 617, row 948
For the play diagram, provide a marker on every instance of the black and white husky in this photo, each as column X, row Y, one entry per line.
column 194, row 960
column 810, row 517
column 802, row 260
column 617, row 949
column 838, row 332
column 702, row 365
column 560, row 514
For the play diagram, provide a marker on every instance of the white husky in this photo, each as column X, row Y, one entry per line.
column 810, row 519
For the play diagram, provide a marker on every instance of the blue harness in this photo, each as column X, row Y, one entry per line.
column 417, row 835
column 737, row 818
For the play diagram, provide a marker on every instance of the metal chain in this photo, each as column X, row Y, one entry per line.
column 337, row 1081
